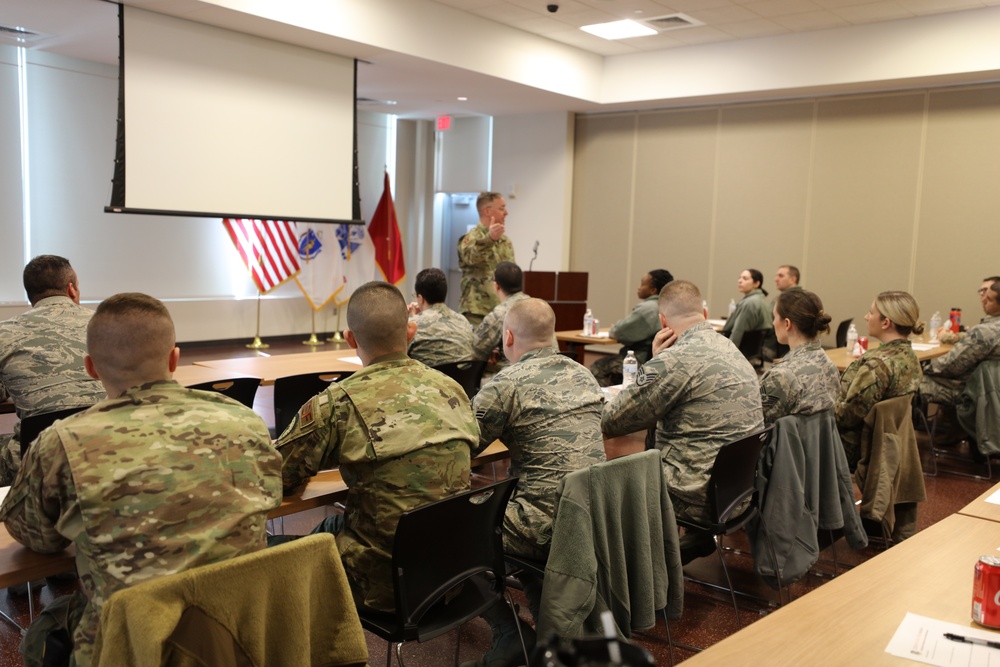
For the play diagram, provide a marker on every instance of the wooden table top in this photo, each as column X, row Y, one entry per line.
column 851, row 619
column 190, row 374
column 981, row 509
column 841, row 358
column 576, row 337
column 281, row 365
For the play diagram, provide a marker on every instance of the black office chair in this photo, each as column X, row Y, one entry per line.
column 842, row 328
column 291, row 393
column 752, row 347
column 469, row 374
column 731, row 485
column 32, row 426
column 452, row 546
column 240, row 389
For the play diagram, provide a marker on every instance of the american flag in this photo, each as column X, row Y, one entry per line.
column 268, row 248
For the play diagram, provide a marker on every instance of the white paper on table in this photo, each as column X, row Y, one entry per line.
column 923, row 347
column 599, row 334
column 352, row 360
column 612, row 391
column 994, row 498
column 3, row 493
column 717, row 323
column 922, row 639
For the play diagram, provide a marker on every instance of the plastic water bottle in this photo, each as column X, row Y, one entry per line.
column 630, row 368
column 732, row 307
column 588, row 322
column 852, row 339
column 935, row 326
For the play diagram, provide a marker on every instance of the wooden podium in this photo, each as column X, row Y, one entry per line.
column 565, row 291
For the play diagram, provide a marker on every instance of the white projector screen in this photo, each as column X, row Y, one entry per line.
column 223, row 124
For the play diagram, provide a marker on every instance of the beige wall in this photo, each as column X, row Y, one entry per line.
column 862, row 193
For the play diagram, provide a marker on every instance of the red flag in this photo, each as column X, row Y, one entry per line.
column 268, row 248
column 384, row 232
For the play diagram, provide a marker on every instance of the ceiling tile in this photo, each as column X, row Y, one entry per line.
column 872, row 12
column 755, row 28
column 819, row 20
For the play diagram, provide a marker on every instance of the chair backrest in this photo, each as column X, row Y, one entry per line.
column 441, row 544
column 842, row 332
column 469, row 374
column 32, row 426
column 239, row 389
column 752, row 344
column 292, row 391
column 978, row 408
column 734, row 474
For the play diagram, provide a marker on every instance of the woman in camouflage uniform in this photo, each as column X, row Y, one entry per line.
column 805, row 381
column 887, row 371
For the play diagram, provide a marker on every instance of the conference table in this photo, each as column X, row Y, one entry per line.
column 851, row 619
column 267, row 368
column 982, row 508
column 842, row 358
column 576, row 340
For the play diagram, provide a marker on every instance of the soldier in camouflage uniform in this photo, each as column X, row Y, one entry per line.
column 805, row 381
column 443, row 336
column 488, row 336
column 547, row 409
column 157, row 480
column 479, row 253
column 945, row 377
column 401, row 433
column 888, row 371
column 636, row 331
column 700, row 393
column 41, row 353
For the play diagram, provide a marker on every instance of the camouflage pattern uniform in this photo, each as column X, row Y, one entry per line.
column 751, row 314
column 547, row 409
column 887, row 371
column 803, row 383
column 478, row 256
column 635, row 333
column 41, row 368
column 159, row 480
column 443, row 336
column 945, row 377
column 401, row 434
column 701, row 394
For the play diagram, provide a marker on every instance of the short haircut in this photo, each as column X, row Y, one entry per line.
column 805, row 310
column 485, row 199
column 991, row 279
column 47, row 275
column 376, row 315
column 658, row 278
column 902, row 310
column 509, row 277
column 432, row 284
column 793, row 272
column 532, row 320
column 130, row 337
column 679, row 298
column 995, row 287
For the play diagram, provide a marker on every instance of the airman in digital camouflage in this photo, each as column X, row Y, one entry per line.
column 700, row 393
column 547, row 409
column 946, row 376
column 41, row 353
column 443, row 336
column 156, row 480
column 479, row 253
column 401, row 433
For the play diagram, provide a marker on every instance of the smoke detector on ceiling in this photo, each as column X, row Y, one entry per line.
column 671, row 22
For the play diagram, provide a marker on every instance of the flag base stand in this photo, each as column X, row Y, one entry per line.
column 336, row 338
column 313, row 341
column 257, row 344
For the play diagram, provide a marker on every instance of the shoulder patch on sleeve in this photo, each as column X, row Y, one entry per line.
column 481, row 413
column 646, row 376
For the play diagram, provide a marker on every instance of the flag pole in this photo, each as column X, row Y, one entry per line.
column 257, row 343
column 313, row 341
column 337, row 337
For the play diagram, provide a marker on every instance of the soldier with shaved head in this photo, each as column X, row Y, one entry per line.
column 400, row 432
column 547, row 409
column 154, row 480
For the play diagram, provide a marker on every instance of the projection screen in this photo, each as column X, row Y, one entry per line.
column 217, row 123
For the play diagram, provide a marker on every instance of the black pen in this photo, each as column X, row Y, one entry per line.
column 971, row 640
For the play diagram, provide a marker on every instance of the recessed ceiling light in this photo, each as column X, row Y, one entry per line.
column 463, row 99
column 618, row 29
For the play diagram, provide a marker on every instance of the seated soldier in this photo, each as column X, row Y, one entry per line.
column 443, row 336
column 155, row 480
column 400, row 432
column 547, row 409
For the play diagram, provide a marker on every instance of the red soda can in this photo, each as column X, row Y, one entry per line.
column 986, row 592
column 863, row 343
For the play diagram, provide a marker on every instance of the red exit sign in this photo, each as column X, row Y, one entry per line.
column 443, row 123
